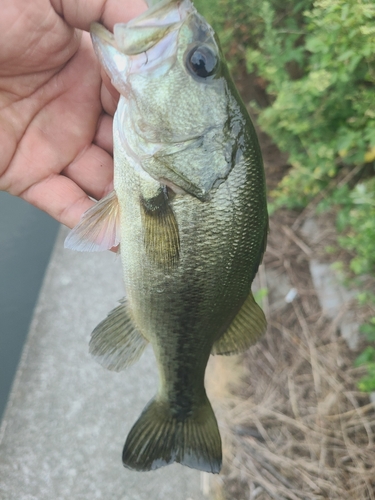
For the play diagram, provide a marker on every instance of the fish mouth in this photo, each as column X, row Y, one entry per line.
column 148, row 29
column 145, row 31
column 145, row 43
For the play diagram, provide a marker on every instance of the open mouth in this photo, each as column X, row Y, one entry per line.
column 144, row 44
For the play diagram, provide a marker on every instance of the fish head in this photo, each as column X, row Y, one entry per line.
column 176, row 116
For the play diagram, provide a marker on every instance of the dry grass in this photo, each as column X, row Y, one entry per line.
column 298, row 428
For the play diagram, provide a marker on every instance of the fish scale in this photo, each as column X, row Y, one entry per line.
column 189, row 209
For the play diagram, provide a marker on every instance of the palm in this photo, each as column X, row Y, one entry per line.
column 55, row 116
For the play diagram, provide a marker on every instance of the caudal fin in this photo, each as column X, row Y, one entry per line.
column 158, row 438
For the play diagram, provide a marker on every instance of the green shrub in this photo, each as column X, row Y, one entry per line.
column 357, row 219
column 367, row 358
column 318, row 61
column 324, row 118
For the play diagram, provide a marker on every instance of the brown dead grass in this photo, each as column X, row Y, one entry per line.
column 298, row 428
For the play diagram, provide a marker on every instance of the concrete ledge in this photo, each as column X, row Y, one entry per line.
column 67, row 418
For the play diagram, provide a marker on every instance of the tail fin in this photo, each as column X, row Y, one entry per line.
column 159, row 438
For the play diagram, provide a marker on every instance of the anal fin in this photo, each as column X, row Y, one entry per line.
column 116, row 343
column 246, row 328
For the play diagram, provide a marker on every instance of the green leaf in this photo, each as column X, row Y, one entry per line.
column 260, row 294
column 368, row 330
column 367, row 384
column 367, row 356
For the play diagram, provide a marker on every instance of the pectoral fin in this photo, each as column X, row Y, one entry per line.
column 99, row 227
column 116, row 343
column 161, row 236
column 246, row 328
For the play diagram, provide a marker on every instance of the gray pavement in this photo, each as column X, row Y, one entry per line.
column 27, row 236
column 67, row 418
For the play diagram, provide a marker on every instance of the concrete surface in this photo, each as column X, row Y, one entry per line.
column 67, row 417
column 27, row 236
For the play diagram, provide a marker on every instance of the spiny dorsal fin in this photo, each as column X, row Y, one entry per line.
column 161, row 236
column 99, row 227
column 246, row 328
column 116, row 343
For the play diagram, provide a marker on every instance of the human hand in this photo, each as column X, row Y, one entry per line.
column 55, row 112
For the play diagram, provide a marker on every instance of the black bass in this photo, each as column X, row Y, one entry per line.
column 189, row 209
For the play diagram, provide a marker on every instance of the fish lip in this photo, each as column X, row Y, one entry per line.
column 148, row 19
column 156, row 12
column 105, row 36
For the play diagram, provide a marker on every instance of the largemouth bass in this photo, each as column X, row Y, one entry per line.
column 189, row 209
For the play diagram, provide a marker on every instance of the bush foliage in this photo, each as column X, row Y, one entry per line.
column 318, row 61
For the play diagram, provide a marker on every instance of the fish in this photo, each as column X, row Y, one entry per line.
column 189, row 211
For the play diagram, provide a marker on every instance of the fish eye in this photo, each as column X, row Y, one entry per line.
column 202, row 61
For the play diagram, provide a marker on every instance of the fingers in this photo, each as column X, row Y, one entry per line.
column 92, row 171
column 60, row 197
column 66, row 197
column 118, row 11
column 80, row 13
column 103, row 136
